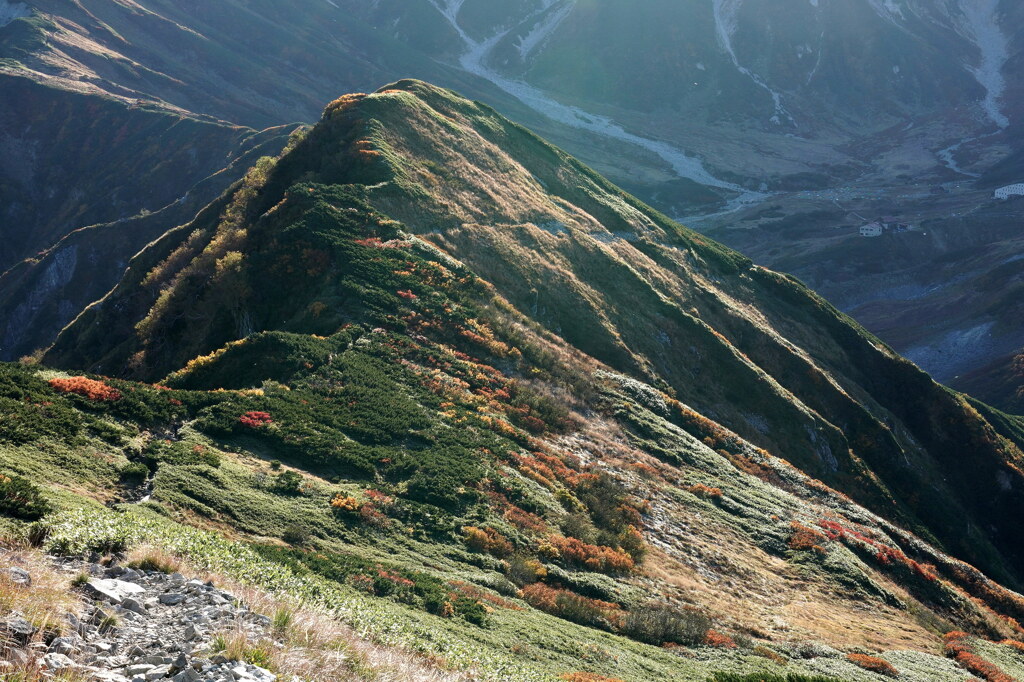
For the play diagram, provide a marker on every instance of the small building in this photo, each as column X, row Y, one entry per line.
column 871, row 230
column 1010, row 191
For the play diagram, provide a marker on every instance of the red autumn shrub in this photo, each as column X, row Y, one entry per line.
column 89, row 388
column 720, row 640
column 595, row 558
column 705, row 491
column 378, row 497
column 1019, row 646
column 873, row 664
column 587, row 677
column 371, row 516
column 883, row 553
column 474, row 593
column 532, row 424
column 524, row 520
column 573, row 607
column 254, row 420
column 979, row 666
column 804, row 538
column 926, row 571
column 959, row 647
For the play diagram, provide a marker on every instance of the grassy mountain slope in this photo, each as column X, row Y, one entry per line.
column 411, row 564
column 109, row 110
column 586, row 262
column 431, row 371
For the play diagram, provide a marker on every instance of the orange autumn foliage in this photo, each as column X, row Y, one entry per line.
column 487, row 540
column 345, row 503
column 571, row 606
column 1019, row 646
column 707, row 492
column 958, row 646
column 873, row 664
column 804, row 538
column 597, row 558
column 720, row 640
column 89, row 388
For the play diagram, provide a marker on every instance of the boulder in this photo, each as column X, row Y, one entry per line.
column 111, row 590
column 64, row 645
column 57, row 662
column 19, row 576
column 158, row 673
column 134, row 606
column 17, row 630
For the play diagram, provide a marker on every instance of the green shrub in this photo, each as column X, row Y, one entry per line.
column 178, row 453
column 27, row 422
column 288, row 482
column 296, row 534
column 134, row 473
column 22, row 499
column 108, row 432
column 470, row 609
column 769, row 677
column 661, row 623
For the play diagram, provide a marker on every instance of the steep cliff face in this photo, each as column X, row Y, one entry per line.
column 752, row 349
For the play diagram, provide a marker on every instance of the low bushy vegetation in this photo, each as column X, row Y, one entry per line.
column 873, row 664
column 414, row 588
column 660, row 624
column 770, row 677
column 958, row 646
column 22, row 499
column 573, row 607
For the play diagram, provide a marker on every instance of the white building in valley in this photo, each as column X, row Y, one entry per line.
column 1010, row 191
column 871, row 230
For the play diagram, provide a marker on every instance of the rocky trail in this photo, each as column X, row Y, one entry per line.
column 135, row 626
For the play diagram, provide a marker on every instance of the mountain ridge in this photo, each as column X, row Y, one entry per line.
column 801, row 385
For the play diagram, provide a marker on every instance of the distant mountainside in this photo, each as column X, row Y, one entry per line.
column 742, row 72
column 72, row 160
column 510, row 416
column 1000, row 383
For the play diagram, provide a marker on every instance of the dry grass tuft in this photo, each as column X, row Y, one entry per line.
column 150, row 558
column 46, row 603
